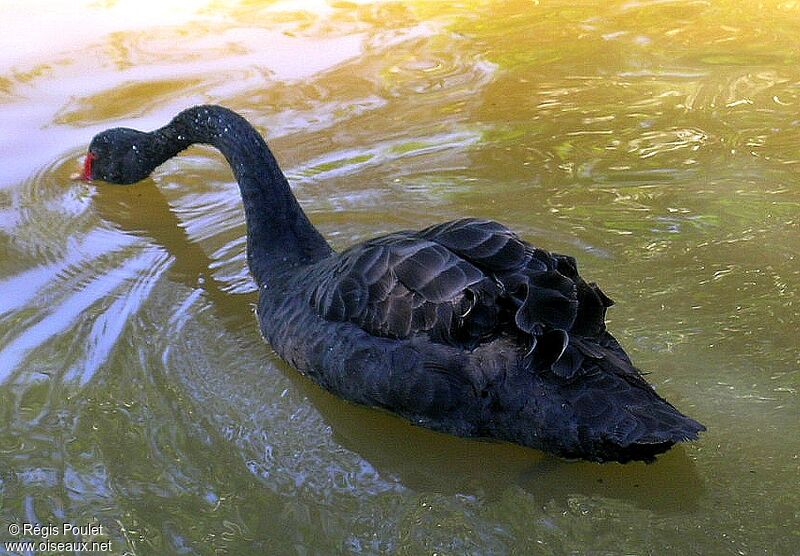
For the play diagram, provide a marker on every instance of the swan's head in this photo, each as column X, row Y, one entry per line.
column 118, row 155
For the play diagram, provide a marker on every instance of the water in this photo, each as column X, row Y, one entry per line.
column 659, row 142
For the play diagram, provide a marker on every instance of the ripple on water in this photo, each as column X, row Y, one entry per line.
column 655, row 140
column 83, row 271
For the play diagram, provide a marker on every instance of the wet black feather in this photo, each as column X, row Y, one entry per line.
column 473, row 285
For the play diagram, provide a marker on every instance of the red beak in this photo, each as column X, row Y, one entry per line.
column 86, row 174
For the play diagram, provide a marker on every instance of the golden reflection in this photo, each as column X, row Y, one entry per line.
column 125, row 101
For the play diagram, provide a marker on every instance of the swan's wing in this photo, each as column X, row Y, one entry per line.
column 545, row 289
column 461, row 282
column 399, row 285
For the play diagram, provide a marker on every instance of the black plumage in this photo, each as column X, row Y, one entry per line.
column 462, row 327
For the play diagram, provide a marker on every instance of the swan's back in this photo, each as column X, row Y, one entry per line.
column 465, row 328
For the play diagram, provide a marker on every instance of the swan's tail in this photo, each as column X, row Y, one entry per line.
column 617, row 420
column 616, row 414
column 605, row 411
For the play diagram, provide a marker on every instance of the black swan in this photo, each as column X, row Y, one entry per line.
column 461, row 327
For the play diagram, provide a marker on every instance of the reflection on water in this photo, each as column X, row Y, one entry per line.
column 657, row 141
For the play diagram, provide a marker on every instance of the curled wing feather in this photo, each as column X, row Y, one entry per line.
column 463, row 282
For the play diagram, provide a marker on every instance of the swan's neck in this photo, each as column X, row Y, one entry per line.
column 279, row 235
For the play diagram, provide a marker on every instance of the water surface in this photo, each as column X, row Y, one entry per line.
column 657, row 141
